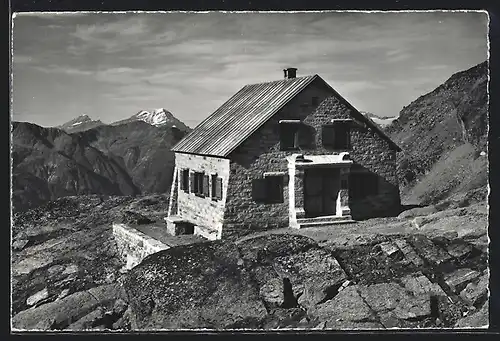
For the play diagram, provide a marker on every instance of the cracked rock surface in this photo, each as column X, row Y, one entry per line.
column 282, row 281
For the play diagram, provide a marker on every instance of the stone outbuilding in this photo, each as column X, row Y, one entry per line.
column 287, row 153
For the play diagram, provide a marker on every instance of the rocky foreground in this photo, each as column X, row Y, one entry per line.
column 65, row 265
column 426, row 268
column 289, row 281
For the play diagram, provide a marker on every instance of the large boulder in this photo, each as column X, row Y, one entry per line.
column 197, row 286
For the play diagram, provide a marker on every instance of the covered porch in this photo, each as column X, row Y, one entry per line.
column 318, row 189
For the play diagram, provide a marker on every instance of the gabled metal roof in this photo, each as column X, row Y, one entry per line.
column 246, row 111
column 240, row 116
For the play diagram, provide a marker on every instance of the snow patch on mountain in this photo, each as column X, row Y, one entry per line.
column 157, row 117
column 80, row 123
column 381, row 121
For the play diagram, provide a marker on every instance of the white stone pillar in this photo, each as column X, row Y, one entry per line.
column 343, row 196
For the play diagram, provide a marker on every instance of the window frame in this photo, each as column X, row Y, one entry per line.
column 289, row 127
column 184, row 180
column 198, row 183
column 279, row 181
column 216, row 195
column 367, row 187
column 268, row 182
column 335, row 127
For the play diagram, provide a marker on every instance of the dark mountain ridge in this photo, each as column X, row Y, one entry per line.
column 126, row 159
column 443, row 135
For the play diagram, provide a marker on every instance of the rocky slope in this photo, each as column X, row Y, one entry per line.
column 80, row 123
column 443, row 135
column 65, row 267
column 142, row 150
column 48, row 163
column 126, row 159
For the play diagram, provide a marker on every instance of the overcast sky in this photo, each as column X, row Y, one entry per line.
column 111, row 65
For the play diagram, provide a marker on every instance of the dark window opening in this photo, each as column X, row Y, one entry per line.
column 362, row 185
column 185, row 180
column 268, row 190
column 197, row 183
column 184, row 227
column 206, row 186
column 343, row 184
column 289, row 136
column 336, row 136
column 216, row 187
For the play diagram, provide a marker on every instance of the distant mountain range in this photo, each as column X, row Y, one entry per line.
column 157, row 117
column 85, row 156
column 382, row 121
column 443, row 135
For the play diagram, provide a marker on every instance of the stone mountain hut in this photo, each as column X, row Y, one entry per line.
column 287, row 153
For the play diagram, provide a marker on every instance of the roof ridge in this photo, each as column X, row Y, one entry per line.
column 281, row 80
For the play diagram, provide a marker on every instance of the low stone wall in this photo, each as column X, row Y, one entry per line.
column 133, row 245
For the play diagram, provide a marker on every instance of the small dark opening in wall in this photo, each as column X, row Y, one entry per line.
column 185, row 228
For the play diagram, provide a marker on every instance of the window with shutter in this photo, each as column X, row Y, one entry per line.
column 206, row 185
column 274, row 186
column 181, row 179
column 214, row 183
column 192, row 180
column 218, row 187
column 185, row 180
column 259, row 192
column 268, row 190
column 362, row 185
column 197, row 183
column 289, row 136
column 336, row 136
column 328, row 136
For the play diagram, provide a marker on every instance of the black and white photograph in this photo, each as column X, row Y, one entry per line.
column 245, row 170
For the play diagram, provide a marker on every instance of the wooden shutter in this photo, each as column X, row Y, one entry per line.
column 328, row 135
column 181, row 179
column 192, row 178
column 206, row 184
column 186, row 179
column 287, row 136
column 214, row 183
column 341, row 134
column 274, row 189
column 259, row 189
column 218, row 188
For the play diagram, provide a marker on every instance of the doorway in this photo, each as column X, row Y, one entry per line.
column 321, row 188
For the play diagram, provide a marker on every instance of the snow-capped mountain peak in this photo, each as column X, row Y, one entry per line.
column 79, row 120
column 156, row 117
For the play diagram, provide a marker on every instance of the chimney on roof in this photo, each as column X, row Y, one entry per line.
column 290, row 72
